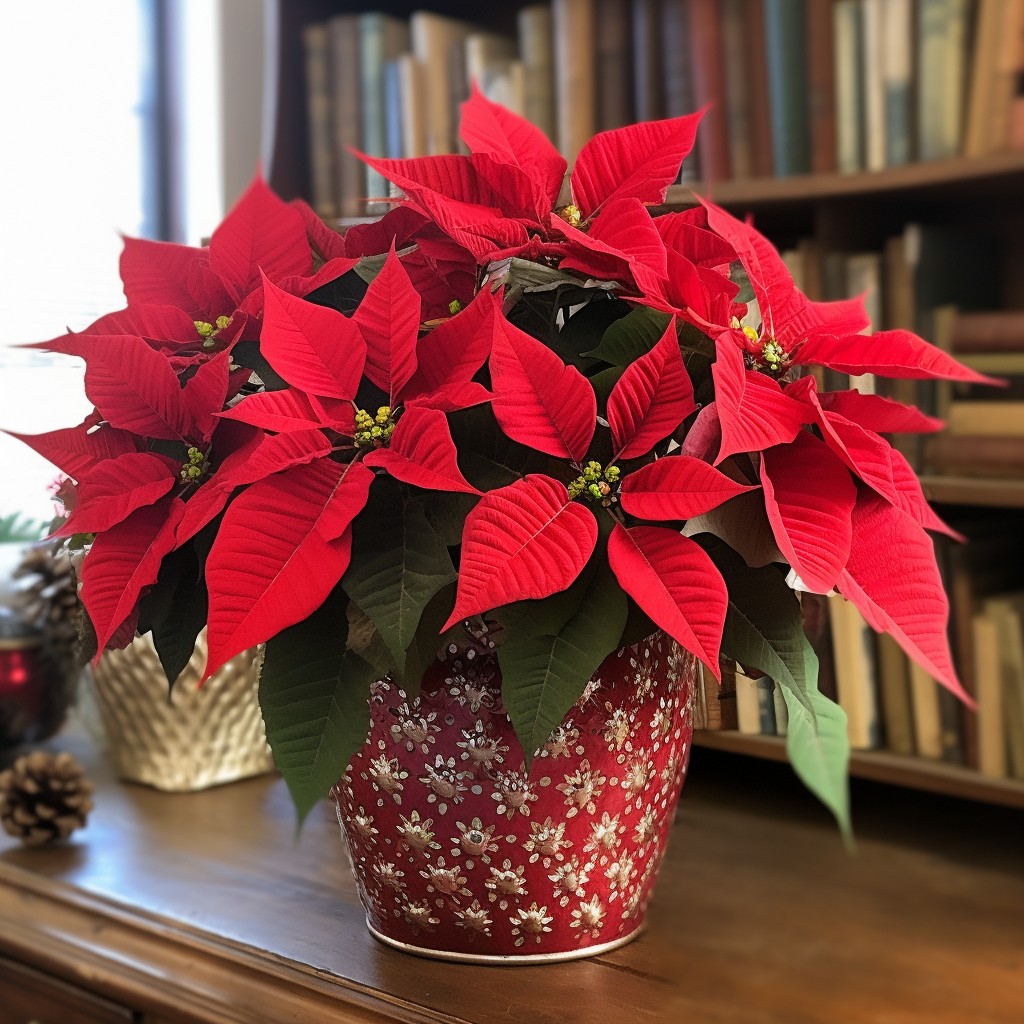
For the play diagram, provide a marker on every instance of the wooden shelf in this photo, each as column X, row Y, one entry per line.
column 967, row 173
column 880, row 766
column 965, row 490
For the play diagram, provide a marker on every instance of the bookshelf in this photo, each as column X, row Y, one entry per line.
column 852, row 212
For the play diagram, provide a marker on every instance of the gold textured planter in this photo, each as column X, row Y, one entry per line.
column 194, row 739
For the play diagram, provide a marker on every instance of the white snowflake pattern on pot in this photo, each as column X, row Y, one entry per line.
column 616, row 727
column 619, row 872
column 472, row 693
column 546, row 841
column 448, row 881
column 389, row 874
column 444, row 780
column 506, row 881
column 569, row 879
column 561, row 742
column 632, row 902
column 514, row 794
column 636, row 776
column 604, row 834
column 415, row 729
column 417, row 834
column 589, row 692
column 475, row 919
column 588, row 918
column 481, row 749
column 646, row 828
column 644, row 679
column 582, row 788
column 532, row 922
column 387, row 776
column 661, row 720
column 363, row 823
column 475, row 841
column 419, row 915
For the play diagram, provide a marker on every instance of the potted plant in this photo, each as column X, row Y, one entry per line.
column 488, row 478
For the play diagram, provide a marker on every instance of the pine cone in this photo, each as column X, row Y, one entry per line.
column 48, row 600
column 44, row 797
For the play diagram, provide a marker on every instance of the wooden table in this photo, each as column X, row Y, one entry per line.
column 204, row 908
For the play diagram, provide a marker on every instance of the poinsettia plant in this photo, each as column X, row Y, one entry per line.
column 517, row 396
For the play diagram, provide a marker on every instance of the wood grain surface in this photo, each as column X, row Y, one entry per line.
column 204, row 907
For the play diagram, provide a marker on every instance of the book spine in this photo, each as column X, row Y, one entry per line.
column 853, row 644
column 894, row 690
column 657, row 64
column 924, row 695
column 347, row 128
column 615, row 60
column 394, row 134
column 988, row 35
column 897, row 48
column 319, row 111
column 821, row 87
column 414, row 126
column 1001, row 331
column 848, row 73
column 748, row 706
column 737, row 88
column 759, row 99
column 787, row 85
column 709, row 88
column 987, row 419
column 573, row 31
column 942, row 44
column 971, row 455
column 991, row 739
column 536, row 49
column 874, row 84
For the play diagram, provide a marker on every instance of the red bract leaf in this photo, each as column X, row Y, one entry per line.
column 257, row 460
column 638, row 162
column 898, row 354
column 452, row 398
column 279, row 553
column 167, row 326
column 389, row 319
column 135, row 389
column 700, row 246
column 650, row 399
column 527, row 540
column 454, row 350
column 538, row 400
column 675, row 583
column 288, row 410
column 422, row 453
column 261, row 234
column 301, row 284
column 205, row 393
column 312, row 347
column 77, row 450
column 116, row 489
column 165, row 273
column 509, row 140
column 901, row 596
column 883, row 415
column 123, row 560
column 677, row 487
column 327, row 243
column 809, row 497
column 754, row 412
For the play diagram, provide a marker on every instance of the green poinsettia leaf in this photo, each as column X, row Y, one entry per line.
column 630, row 337
column 428, row 639
column 763, row 630
column 488, row 459
column 446, row 512
column 184, row 616
column 314, row 695
column 343, row 293
column 399, row 562
column 545, row 670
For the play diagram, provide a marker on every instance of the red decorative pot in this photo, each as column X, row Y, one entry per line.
column 459, row 854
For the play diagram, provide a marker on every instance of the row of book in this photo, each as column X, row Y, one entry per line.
column 890, row 702
column 943, row 283
column 792, row 86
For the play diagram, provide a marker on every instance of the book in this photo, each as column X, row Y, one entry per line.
column 989, row 696
column 536, row 50
column 414, row 124
column 573, row 28
column 735, row 44
column 787, row 85
column 757, row 83
column 640, row 50
column 924, row 698
column 1006, row 99
column 864, row 277
column 714, row 703
column 706, row 59
column 993, row 457
column 614, row 50
column 382, row 38
column 659, row 59
column 872, row 54
column 986, row 419
column 755, row 709
column 897, row 76
column 849, row 64
column 941, row 61
column 1005, row 612
column 485, row 50
column 438, row 41
column 992, row 331
column 988, row 39
column 319, row 112
column 349, row 172
column 855, row 669
column 821, row 87
column 894, row 695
